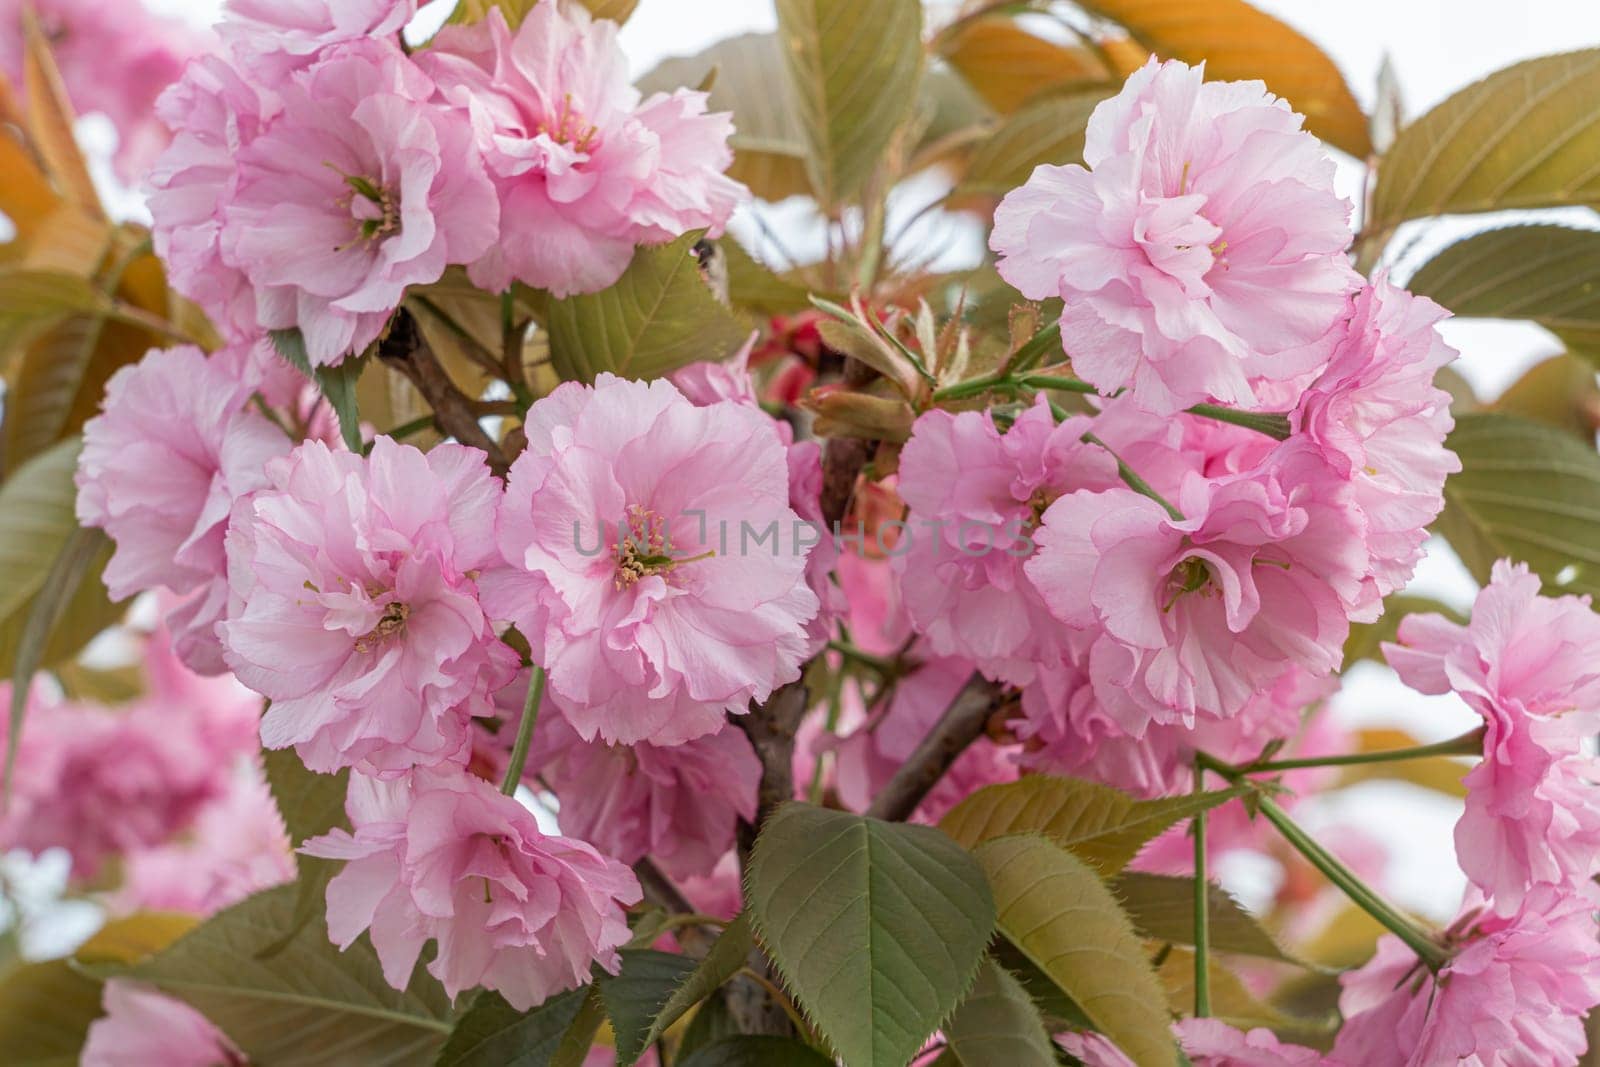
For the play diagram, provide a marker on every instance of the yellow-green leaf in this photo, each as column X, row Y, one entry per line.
column 657, row 317
column 1523, row 137
column 45, row 1012
column 1162, row 909
column 1047, row 131
column 852, row 70
column 998, row 1023
column 1238, row 41
column 1055, row 908
column 1101, row 825
column 1560, row 391
column 1528, row 491
column 1547, row 274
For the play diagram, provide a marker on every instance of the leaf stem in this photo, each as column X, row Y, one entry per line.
column 530, row 715
column 1131, row 478
column 883, row 666
column 1364, row 896
column 1202, row 908
column 1468, row 744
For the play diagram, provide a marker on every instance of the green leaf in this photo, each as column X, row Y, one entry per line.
column 743, row 1050
column 712, row 1021
column 1162, row 909
column 311, row 804
column 1239, row 42
column 1524, row 137
column 728, row 954
column 998, row 1023
column 1232, row 1001
column 1560, row 391
column 658, row 317
column 1101, row 825
column 45, row 1012
column 852, row 70
column 40, row 395
column 634, row 997
column 1527, row 491
column 1058, row 1010
column 309, row 1004
column 491, row 1033
column 1055, row 908
column 1048, row 131
column 338, row 384
column 753, row 286
column 877, row 927
column 44, row 293
column 1547, row 274
column 769, row 146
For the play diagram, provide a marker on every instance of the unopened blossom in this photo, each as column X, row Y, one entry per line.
column 361, row 187
column 444, row 855
column 585, row 169
column 1530, row 665
column 1200, row 251
column 143, row 1026
column 976, row 497
column 1198, row 614
column 162, row 466
column 1514, row 994
column 1381, row 422
column 356, row 607
column 677, row 804
column 654, row 563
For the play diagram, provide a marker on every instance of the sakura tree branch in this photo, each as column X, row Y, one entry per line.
column 771, row 728
column 962, row 723
column 405, row 350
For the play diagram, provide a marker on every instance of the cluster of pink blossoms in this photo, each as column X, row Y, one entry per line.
column 318, row 170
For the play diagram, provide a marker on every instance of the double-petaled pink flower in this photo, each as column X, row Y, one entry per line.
column 1200, row 253
column 445, row 856
column 355, row 606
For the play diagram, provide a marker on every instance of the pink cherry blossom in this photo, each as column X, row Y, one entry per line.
column 360, row 188
column 975, row 496
column 1530, row 665
column 99, row 782
column 1514, row 994
column 293, row 31
column 679, row 804
column 444, row 855
column 1201, row 251
column 867, row 757
column 114, row 59
column 1198, row 614
column 142, row 1026
column 162, row 466
column 355, row 607
column 237, row 847
column 655, row 565
column 1381, row 422
column 1207, row 1043
column 585, row 170
column 214, row 113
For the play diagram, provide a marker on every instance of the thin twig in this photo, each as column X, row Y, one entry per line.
column 405, row 350
column 962, row 723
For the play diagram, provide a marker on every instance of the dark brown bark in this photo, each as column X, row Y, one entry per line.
column 962, row 724
column 454, row 413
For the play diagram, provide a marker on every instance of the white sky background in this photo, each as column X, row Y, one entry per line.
column 1436, row 47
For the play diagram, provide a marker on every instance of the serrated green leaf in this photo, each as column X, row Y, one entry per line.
column 40, row 394
column 310, row 804
column 769, row 146
column 727, row 955
column 1101, row 825
column 998, row 1023
column 1055, row 908
column 743, row 1050
column 878, row 928
column 713, row 1020
column 852, row 71
column 491, row 1033
column 309, row 1004
column 1046, row 131
column 45, row 1012
column 1525, row 491
column 658, row 317
column 1239, row 42
column 1162, row 909
column 1524, row 137
column 1546, row 274
column 753, row 286
column 1232, row 1001
column 634, row 997
column 338, row 384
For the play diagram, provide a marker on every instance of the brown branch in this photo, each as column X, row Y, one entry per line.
column 405, row 350
column 771, row 729
column 661, row 891
column 962, row 723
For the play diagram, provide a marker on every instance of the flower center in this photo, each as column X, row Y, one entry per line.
column 372, row 208
column 569, row 127
column 1190, row 576
column 392, row 621
column 643, row 548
